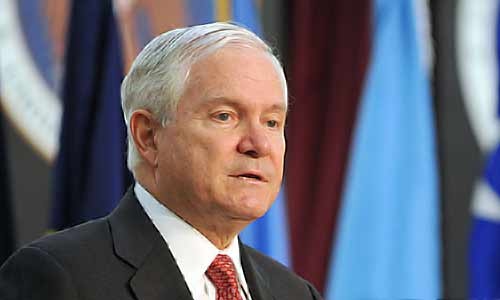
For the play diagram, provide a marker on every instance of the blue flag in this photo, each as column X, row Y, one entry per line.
column 90, row 172
column 200, row 11
column 387, row 243
column 246, row 12
column 484, row 248
column 484, row 252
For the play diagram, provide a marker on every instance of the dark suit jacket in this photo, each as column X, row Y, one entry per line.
column 123, row 256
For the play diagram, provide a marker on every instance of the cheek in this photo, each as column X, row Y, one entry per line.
column 220, row 151
column 279, row 148
column 208, row 157
column 209, row 166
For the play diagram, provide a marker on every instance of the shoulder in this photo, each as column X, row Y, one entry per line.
column 44, row 268
column 58, row 266
column 279, row 277
column 86, row 239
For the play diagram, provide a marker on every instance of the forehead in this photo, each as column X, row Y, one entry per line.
column 238, row 75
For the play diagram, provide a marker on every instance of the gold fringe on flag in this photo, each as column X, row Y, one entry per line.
column 223, row 10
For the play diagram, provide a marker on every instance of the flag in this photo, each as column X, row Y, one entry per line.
column 460, row 158
column 200, row 11
column 387, row 242
column 326, row 82
column 245, row 12
column 90, row 171
column 6, row 222
column 484, row 252
column 484, row 248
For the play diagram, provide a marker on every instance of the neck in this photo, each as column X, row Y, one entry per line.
column 219, row 230
column 219, row 241
column 220, row 236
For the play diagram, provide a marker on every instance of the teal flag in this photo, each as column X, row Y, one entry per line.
column 387, row 242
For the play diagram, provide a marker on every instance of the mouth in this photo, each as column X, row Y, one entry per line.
column 250, row 176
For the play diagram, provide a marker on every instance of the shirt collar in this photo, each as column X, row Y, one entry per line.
column 192, row 251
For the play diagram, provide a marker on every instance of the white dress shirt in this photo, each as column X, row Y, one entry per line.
column 192, row 251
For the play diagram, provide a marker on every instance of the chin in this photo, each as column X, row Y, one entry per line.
column 251, row 208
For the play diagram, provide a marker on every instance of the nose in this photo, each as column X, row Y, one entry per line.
column 254, row 142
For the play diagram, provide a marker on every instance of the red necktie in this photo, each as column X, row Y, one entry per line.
column 222, row 273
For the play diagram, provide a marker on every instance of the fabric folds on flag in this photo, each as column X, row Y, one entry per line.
column 6, row 221
column 90, row 172
column 326, row 83
column 387, row 243
column 460, row 167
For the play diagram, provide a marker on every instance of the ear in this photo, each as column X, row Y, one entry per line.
column 143, row 128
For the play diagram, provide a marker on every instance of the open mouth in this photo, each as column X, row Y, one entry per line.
column 250, row 177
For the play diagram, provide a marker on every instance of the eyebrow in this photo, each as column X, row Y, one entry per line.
column 279, row 107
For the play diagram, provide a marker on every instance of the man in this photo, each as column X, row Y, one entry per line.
column 205, row 108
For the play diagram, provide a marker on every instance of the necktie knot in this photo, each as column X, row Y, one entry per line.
column 222, row 273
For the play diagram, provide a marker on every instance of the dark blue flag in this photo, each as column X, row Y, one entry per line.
column 484, row 247
column 90, row 173
column 6, row 224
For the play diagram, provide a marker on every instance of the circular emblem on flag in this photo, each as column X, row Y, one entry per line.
column 32, row 38
column 32, row 35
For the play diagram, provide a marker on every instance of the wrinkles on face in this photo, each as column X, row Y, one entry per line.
column 221, row 160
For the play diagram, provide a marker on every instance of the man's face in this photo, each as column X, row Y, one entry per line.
column 222, row 156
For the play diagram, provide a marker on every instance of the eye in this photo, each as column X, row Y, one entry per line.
column 224, row 116
column 272, row 123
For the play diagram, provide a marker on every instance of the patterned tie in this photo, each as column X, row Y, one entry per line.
column 222, row 273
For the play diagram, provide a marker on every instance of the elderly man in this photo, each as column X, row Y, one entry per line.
column 205, row 108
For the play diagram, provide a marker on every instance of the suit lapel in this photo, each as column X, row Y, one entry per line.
column 256, row 280
column 137, row 242
column 159, row 277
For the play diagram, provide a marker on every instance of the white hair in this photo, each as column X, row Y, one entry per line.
column 158, row 75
